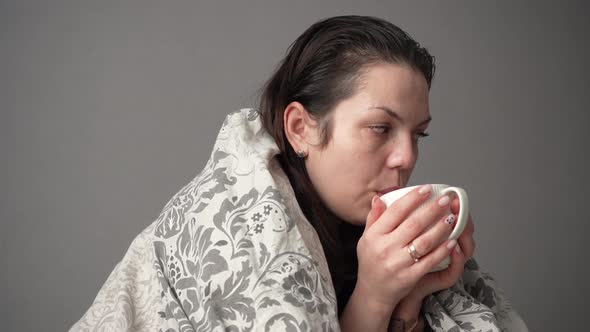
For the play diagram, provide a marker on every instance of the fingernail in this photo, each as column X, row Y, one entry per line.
column 444, row 200
column 458, row 250
column 375, row 198
column 451, row 244
column 450, row 219
column 425, row 189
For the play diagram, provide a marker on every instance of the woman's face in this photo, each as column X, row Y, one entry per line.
column 373, row 145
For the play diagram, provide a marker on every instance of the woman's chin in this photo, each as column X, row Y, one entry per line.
column 356, row 221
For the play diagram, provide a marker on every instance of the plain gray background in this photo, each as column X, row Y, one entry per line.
column 109, row 107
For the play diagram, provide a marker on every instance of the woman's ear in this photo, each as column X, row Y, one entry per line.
column 300, row 128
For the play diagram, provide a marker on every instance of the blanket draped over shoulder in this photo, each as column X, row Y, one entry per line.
column 232, row 251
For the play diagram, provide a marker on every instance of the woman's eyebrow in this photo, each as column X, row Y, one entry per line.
column 396, row 116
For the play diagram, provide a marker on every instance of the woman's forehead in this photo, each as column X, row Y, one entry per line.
column 394, row 81
column 398, row 91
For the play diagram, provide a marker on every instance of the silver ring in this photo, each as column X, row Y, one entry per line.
column 413, row 252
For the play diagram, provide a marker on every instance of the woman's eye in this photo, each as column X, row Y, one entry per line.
column 421, row 135
column 380, row 129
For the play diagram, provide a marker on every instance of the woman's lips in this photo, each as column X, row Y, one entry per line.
column 385, row 191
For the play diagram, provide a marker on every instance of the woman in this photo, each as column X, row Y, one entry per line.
column 283, row 229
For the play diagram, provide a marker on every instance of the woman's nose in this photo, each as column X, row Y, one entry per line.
column 403, row 153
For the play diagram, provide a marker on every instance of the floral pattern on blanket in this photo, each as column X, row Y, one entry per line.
column 230, row 255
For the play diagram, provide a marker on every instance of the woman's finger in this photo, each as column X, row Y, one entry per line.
column 401, row 209
column 470, row 227
column 467, row 244
column 415, row 224
column 435, row 281
column 432, row 259
column 466, row 240
column 455, row 206
column 377, row 208
column 449, row 276
column 434, row 236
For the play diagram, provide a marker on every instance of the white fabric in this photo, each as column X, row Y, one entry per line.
column 232, row 251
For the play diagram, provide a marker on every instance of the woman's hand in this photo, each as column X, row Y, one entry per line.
column 446, row 278
column 409, row 307
column 387, row 272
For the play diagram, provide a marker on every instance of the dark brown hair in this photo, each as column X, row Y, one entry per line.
column 324, row 66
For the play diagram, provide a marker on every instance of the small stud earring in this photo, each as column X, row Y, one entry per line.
column 301, row 154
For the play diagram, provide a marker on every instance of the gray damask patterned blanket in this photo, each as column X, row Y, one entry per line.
column 232, row 251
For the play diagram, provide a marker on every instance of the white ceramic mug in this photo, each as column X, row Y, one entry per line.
column 437, row 191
